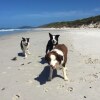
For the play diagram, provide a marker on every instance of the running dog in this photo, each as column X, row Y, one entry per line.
column 57, row 57
column 25, row 46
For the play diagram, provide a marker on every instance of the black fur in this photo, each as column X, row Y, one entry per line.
column 23, row 40
column 25, row 46
column 21, row 45
column 51, row 43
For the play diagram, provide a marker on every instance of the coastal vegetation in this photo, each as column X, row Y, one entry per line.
column 93, row 21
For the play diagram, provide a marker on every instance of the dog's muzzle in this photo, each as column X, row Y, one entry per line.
column 54, row 42
column 56, row 66
column 26, row 44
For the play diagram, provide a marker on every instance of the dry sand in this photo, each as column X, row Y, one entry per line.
column 26, row 79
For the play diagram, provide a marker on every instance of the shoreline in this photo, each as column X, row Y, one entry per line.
column 42, row 29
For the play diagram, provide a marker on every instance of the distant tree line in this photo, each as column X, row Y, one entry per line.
column 76, row 23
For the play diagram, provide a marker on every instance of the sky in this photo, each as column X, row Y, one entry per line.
column 17, row 13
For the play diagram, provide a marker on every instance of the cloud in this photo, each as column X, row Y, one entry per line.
column 97, row 9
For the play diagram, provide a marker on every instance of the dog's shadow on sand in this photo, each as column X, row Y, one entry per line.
column 44, row 75
column 20, row 54
column 43, row 61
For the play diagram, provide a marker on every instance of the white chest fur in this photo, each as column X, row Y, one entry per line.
column 60, row 53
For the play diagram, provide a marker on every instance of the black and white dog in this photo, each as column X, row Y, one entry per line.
column 57, row 57
column 52, row 42
column 25, row 46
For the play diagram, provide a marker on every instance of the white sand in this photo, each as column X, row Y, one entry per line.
column 26, row 79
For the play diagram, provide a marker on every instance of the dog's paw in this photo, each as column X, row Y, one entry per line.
column 66, row 79
column 25, row 57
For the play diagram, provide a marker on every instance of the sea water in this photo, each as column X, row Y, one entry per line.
column 12, row 31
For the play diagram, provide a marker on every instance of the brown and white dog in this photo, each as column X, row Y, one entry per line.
column 57, row 57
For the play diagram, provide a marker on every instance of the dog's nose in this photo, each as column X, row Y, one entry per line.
column 26, row 44
column 53, row 41
column 53, row 67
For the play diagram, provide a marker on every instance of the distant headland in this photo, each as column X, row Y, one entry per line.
column 91, row 22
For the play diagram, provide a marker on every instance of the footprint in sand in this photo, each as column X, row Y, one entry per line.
column 3, row 89
column 22, row 64
column 29, row 62
column 16, row 97
column 92, row 61
column 85, row 97
column 95, row 76
column 70, row 89
column 14, row 58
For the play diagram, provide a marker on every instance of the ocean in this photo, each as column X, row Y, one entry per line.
column 12, row 31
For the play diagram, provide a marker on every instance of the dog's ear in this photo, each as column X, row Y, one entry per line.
column 50, row 35
column 57, row 36
column 23, row 38
column 28, row 39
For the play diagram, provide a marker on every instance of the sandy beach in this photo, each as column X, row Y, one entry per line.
column 27, row 79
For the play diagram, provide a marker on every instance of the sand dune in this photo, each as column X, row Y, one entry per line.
column 26, row 79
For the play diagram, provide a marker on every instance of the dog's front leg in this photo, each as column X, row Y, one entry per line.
column 51, row 74
column 64, row 73
column 25, row 54
column 28, row 52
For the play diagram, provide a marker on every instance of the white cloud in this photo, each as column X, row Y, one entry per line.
column 97, row 9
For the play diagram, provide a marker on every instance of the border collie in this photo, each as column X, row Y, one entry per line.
column 57, row 57
column 25, row 46
column 52, row 42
